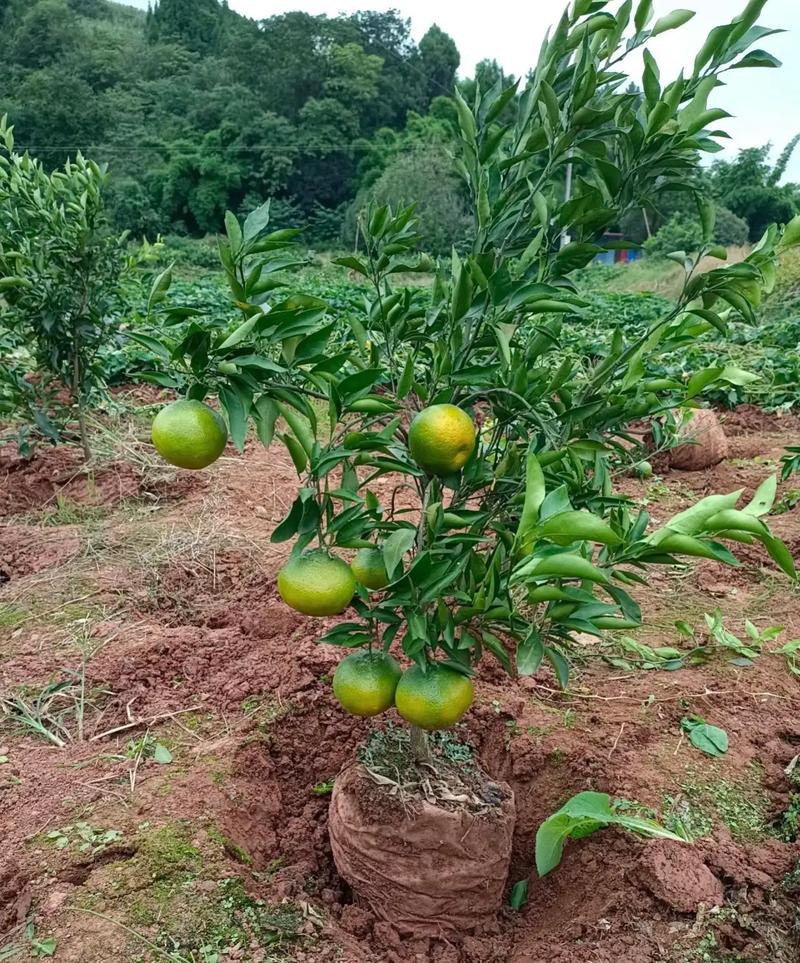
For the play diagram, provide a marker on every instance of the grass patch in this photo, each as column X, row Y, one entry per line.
column 12, row 615
column 174, row 898
column 231, row 848
column 740, row 803
column 65, row 511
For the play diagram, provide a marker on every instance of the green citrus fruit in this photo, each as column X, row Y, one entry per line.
column 441, row 439
column 189, row 434
column 644, row 469
column 364, row 682
column 316, row 583
column 434, row 699
column 369, row 569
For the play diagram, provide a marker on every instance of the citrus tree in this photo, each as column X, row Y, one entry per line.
column 445, row 434
column 61, row 266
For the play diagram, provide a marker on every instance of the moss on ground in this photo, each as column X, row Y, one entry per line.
column 176, row 899
column 738, row 802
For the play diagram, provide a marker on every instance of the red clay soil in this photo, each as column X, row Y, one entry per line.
column 199, row 630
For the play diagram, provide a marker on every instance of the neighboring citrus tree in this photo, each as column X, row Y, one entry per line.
column 446, row 436
column 60, row 270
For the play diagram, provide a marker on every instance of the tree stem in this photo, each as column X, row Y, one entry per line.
column 77, row 394
column 420, row 749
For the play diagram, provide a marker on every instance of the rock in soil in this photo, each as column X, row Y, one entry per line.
column 676, row 875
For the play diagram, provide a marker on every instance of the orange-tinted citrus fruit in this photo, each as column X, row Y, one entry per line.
column 433, row 699
column 441, row 439
column 316, row 583
column 365, row 682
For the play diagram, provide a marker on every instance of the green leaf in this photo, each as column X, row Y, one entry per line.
column 466, row 119
column 737, row 376
column 644, row 12
column 780, row 554
column 234, row 231
column 159, row 288
column 519, row 894
column 701, row 380
column 288, row 527
column 353, row 263
column 791, row 234
column 396, row 546
column 764, row 498
column 534, row 496
column 707, row 738
column 582, row 815
column 233, row 404
column 152, row 344
column 406, row 381
column 567, row 527
column 265, row 414
column 671, row 21
column 300, row 428
column 692, row 520
column 530, row 653
column 161, row 754
column 46, row 947
column 256, row 222
column 757, row 58
column 240, row 333
column 560, row 665
column 296, row 452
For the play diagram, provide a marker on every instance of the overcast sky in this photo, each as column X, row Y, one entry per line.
column 764, row 102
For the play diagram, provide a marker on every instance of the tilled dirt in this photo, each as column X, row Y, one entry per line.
column 174, row 612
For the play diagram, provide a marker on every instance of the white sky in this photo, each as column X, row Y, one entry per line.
column 764, row 102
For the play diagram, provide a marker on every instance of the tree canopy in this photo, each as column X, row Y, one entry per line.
column 198, row 109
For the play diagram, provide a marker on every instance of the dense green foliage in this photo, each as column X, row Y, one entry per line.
column 527, row 537
column 198, row 110
column 61, row 269
column 767, row 349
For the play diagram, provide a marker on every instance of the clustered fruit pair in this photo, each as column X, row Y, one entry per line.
column 441, row 439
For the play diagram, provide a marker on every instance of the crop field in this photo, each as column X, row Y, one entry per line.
column 170, row 743
column 398, row 558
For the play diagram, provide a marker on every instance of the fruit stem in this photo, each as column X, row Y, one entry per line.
column 420, row 749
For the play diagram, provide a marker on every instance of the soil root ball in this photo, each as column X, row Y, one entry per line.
column 704, row 445
column 425, row 869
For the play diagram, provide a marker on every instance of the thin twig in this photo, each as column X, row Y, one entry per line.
column 616, row 741
column 678, row 695
column 172, row 957
column 143, row 722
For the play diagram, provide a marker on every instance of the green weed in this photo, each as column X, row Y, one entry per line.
column 82, row 836
column 739, row 803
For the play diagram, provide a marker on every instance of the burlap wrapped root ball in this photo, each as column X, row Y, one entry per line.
column 426, row 870
column 703, row 442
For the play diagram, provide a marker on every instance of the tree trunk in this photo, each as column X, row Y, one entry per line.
column 77, row 394
column 420, row 749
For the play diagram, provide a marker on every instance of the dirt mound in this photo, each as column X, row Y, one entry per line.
column 15, row 895
column 748, row 419
column 29, row 485
column 220, row 667
column 678, row 877
column 25, row 550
